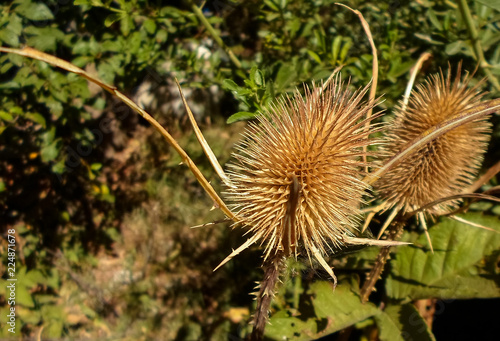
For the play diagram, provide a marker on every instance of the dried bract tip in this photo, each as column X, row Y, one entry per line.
column 444, row 166
column 297, row 173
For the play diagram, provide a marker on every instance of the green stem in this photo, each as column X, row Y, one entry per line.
column 476, row 42
column 197, row 11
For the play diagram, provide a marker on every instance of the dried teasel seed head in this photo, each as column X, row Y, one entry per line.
column 297, row 173
column 445, row 166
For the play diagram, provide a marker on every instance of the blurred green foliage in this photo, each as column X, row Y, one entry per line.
column 102, row 210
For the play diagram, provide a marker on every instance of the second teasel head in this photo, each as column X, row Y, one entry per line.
column 448, row 164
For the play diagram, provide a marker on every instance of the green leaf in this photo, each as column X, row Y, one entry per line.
column 341, row 308
column 8, row 37
column 35, row 11
column 126, row 24
column 43, row 38
column 345, row 49
column 241, row 116
column 334, row 310
column 434, row 20
column 230, row 85
column 495, row 4
column 150, row 26
column 257, row 77
column 112, row 18
column 314, row 56
column 336, row 48
column 458, row 46
column 285, row 327
column 454, row 270
column 400, row 322
column 51, row 151
column 6, row 116
column 37, row 118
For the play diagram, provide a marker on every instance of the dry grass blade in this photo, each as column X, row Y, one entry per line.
column 201, row 139
column 470, row 223
column 38, row 55
column 374, row 81
column 413, row 75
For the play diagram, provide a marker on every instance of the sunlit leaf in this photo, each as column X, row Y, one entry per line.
column 454, row 270
column 401, row 322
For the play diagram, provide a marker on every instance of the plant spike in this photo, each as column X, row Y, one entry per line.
column 201, row 139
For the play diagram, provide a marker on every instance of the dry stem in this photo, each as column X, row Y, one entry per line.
column 272, row 269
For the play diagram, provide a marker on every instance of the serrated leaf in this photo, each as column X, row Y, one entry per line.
column 35, row 11
column 241, row 116
column 342, row 307
column 398, row 322
column 285, row 327
column 334, row 310
column 453, row 271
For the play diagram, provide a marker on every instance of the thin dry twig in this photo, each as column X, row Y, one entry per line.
column 413, row 75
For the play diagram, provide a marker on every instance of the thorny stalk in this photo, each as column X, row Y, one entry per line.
column 395, row 231
column 267, row 288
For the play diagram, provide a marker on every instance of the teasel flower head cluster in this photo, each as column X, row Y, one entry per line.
column 444, row 166
column 296, row 178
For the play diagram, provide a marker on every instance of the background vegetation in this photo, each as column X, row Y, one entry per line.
column 102, row 208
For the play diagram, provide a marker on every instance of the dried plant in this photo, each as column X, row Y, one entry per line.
column 437, row 175
column 444, row 166
column 296, row 181
column 299, row 176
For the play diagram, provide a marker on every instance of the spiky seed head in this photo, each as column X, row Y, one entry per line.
column 444, row 166
column 297, row 173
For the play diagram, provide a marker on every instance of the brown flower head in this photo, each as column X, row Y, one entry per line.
column 444, row 166
column 296, row 178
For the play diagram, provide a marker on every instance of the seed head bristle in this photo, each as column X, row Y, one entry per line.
column 444, row 166
column 297, row 173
